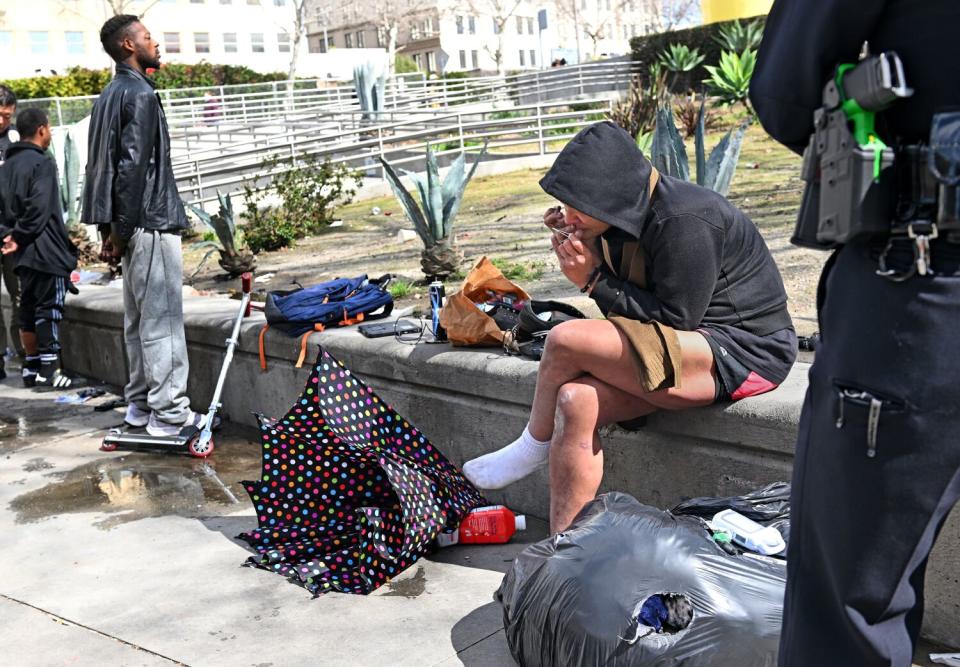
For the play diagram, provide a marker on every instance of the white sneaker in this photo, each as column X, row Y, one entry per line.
column 136, row 417
column 159, row 428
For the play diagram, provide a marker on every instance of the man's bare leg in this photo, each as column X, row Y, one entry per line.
column 586, row 403
column 595, row 348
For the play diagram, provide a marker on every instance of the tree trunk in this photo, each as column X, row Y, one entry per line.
column 392, row 31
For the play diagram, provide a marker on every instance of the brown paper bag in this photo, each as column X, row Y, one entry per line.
column 465, row 323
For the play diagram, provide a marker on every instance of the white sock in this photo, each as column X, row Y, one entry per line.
column 509, row 464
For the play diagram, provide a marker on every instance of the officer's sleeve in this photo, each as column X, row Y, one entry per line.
column 141, row 116
column 803, row 42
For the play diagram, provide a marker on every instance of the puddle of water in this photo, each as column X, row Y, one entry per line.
column 22, row 431
column 409, row 587
column 142, row 485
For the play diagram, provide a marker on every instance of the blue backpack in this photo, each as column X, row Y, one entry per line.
column 335, row 303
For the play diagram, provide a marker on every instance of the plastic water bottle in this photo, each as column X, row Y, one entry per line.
column 485, row 525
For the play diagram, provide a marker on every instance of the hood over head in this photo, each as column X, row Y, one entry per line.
column 602, row 173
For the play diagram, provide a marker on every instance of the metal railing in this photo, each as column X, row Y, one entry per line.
column 245, row 104
column 525, row 130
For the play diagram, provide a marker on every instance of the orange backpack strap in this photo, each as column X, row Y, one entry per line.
column 303, row 344
column 263, row 355
column 347, row 321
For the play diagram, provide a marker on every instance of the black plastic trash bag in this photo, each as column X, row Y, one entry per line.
column 350, row 493
column 769, row 506
column 575, row 598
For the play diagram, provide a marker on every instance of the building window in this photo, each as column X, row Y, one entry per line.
column 530, row 26
column 74, row 42
column 418, row 61
column 253, row 2
column 431, row 62
column 472, row 25
column 283, row 42
column 229, row 42
column 533, row 58
column 463, row 60
column 201, row 42
column 381, row 37
column 474, row 60
column 171, row 42
column 226, row 2
column 415, row 31
column 459, row 24
column 633, row 29
column 519, row 25
column 360, row 39
column 256, row 42
column 348, row 40
column 39, row 42
column 6, row 41
column 279, row 3
column 522, row 59
column 196, row 2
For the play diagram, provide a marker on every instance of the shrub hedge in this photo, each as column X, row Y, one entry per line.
column 647, row 48
column 81, row 81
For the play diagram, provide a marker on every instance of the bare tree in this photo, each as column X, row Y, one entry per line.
column 138, row 7
column 501, row 11
column 667, row 15
column 388, row 17
column 297, row 30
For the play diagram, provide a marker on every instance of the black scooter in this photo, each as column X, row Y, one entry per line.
column 197, row 441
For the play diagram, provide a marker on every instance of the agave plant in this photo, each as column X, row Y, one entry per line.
column 730, row 80
column 680, row 58
column 70, row 181
column 738, row 37
column 232, row 261
column 370, row 88
column 669, row 155
column 440, row 202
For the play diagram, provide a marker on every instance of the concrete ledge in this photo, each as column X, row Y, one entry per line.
column 470, row 401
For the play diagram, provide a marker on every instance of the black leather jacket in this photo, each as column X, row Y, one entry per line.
column 129, row 179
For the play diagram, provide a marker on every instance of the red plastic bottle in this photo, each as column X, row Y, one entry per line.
column 490, row 525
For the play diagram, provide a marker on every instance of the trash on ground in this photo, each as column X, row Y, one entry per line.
column 81, row 396
column 634, row 585
column 405, row 235
column 265, row 278
column 484, row 525
column 952, row 659
column 351, row 493
column 336, row 223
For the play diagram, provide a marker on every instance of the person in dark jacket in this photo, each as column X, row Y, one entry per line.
column 9, row 334
column 695, row 313
column 877, row 465
column 35, row 237
column 131, row 194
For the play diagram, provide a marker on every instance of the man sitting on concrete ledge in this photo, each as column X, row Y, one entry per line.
column 695, row 306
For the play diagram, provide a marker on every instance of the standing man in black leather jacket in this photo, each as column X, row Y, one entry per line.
column 131, row 194
column 878, row 458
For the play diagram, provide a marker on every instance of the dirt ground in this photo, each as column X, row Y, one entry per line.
column 500, row 218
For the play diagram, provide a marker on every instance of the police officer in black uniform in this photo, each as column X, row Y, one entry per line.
column 878, row 457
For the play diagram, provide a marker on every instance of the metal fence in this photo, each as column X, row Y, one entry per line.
column 246, row 104
column 524, row 130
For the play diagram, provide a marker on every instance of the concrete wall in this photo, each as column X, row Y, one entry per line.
column 471, row 401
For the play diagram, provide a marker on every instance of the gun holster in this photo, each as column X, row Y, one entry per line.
column 843, row 198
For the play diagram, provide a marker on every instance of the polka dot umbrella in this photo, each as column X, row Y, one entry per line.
column 351, row 493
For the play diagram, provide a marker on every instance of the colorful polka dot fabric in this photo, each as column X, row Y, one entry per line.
column 351, row 494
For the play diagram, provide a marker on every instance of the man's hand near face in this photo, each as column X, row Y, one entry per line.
column 578, row 259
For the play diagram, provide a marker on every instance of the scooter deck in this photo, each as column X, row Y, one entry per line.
column 141, row 440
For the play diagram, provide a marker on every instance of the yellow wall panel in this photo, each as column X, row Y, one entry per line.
column 727, row 10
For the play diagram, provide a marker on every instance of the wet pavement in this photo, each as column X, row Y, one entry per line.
column 131, row 558
column 123, row 558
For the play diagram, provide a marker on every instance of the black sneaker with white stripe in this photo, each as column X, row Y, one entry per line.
column 50, row 376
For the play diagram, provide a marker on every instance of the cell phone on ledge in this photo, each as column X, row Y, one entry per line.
column 381, row 329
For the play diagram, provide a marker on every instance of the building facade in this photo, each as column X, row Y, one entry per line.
column 727, row 10
column 41, row 37
column 444, row 36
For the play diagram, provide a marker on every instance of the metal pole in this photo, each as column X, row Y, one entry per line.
column 59, row 113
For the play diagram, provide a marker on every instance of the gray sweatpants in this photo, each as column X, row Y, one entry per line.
column 153, row 325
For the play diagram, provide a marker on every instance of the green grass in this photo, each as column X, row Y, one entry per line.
column 519, row 270
column 399, row 288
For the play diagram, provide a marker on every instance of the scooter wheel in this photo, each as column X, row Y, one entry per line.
column 107, row 447
column 200, row 452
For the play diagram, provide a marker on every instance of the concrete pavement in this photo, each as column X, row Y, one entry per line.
column 129, row 559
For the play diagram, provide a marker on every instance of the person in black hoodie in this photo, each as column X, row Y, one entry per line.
column 32, row 231
column 695, row 306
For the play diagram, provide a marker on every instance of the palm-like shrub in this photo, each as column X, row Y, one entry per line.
column 233, row 261
column 669, row 155
column 440, row 203
column 738, row 37
column 680, row 58
column 730, row 80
